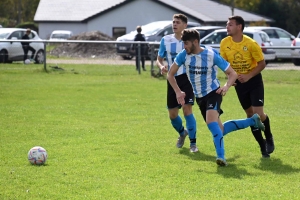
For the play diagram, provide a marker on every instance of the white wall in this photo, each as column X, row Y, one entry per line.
column 131, row 15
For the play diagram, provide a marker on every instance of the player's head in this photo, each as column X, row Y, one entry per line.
column 191, row 39
column 235, row 24
column 28, row 31
column 179, row 22
column 139, row 29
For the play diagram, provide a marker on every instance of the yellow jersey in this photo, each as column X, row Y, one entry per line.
column 242, row 56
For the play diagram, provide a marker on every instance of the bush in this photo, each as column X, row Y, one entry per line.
column 30, row 25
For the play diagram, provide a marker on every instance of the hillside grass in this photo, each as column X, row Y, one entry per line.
column 108, row 136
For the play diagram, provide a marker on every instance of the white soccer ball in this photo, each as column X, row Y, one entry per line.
column 27, row 61
column 37, row 155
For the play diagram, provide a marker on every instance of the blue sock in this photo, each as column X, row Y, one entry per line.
column 218, row 138
column 177, row 124
column 191, row 128
column 234, row 125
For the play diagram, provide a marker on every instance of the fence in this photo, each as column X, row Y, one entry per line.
column 108, row 49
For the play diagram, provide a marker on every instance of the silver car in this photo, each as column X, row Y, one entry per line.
column 262, row 39
column 278, row 37
column 296, row 52
column 153, row 32
column 13, row 51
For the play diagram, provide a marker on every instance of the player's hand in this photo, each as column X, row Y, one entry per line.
column 243, row 78
column 222, row 90
column 164, row 70
column 180, row 97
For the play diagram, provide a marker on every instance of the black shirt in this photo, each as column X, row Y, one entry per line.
column 25, row 37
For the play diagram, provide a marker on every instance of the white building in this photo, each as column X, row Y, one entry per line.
column 117, row 17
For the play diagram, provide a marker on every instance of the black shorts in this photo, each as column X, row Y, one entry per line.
column 185, row 86
column 212, row 101
column 251, row 93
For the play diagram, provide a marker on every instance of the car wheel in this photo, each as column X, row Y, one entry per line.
column 127, row 57
column 3, row 56
column 39, row 58
column 296, row 62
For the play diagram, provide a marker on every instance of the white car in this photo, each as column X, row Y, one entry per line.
column 296, row 52
column 260, row 37
column 13, row 51
column 60, row 35
column 278, row 37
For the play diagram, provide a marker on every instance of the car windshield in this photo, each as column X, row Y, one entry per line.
column 4, row 35
column 60, row 36
column 152, row 28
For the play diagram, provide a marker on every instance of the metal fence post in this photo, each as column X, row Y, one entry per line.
column 45, row 55
column 152, row 59
column 139, row 58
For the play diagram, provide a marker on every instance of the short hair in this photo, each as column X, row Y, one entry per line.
column 139, row 29
column 239, row 20
column 28, row 30
column 190, row 35
column 181, row 16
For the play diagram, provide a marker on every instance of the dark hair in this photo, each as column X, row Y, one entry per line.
column 190, row 35
column 181, row 16
column 239, row 20
column 139, row 29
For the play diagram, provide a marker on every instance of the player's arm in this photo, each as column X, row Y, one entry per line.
column 171, row 78
column 228, row 70
column 231, row 78
column 160, row 63
column 160, row 57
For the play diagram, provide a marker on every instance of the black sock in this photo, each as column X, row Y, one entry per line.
column 268, row 133
column 259, row 138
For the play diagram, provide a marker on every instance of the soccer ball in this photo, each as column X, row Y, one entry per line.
column 27, row 61
column 37, row 155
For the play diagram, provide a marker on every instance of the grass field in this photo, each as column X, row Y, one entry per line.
column 108, row 136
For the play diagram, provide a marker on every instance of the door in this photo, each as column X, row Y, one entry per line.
column 281, row 39
column 15, row 50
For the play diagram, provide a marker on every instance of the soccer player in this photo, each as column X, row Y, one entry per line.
column 201, row 64
column 246, row 58
column 170, row 45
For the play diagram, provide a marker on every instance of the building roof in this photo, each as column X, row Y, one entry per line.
column 72, row 10
column 77, row 11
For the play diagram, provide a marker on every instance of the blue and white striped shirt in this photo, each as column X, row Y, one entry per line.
column 169, row 48
column 202, row 69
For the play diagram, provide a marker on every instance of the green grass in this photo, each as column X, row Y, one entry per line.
column 108, row 136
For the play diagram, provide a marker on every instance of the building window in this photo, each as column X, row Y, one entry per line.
column 118, row 31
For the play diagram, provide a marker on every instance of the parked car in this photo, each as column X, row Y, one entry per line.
column 13, row 51
column 278, row 37
column 260, row 37
column 296, row 52
column 60, row 35
column 153, row 32
column 205, row 30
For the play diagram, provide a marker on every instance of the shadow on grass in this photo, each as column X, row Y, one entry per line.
column 276, row 166
column 230, row 171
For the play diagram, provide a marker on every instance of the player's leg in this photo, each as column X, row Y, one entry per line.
column 237, row 124
column 213, row 111
column 191, row 127
column 257, row 98
column 32, row 51
column 244, row 91
column 175, row 119
column 25, row 49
